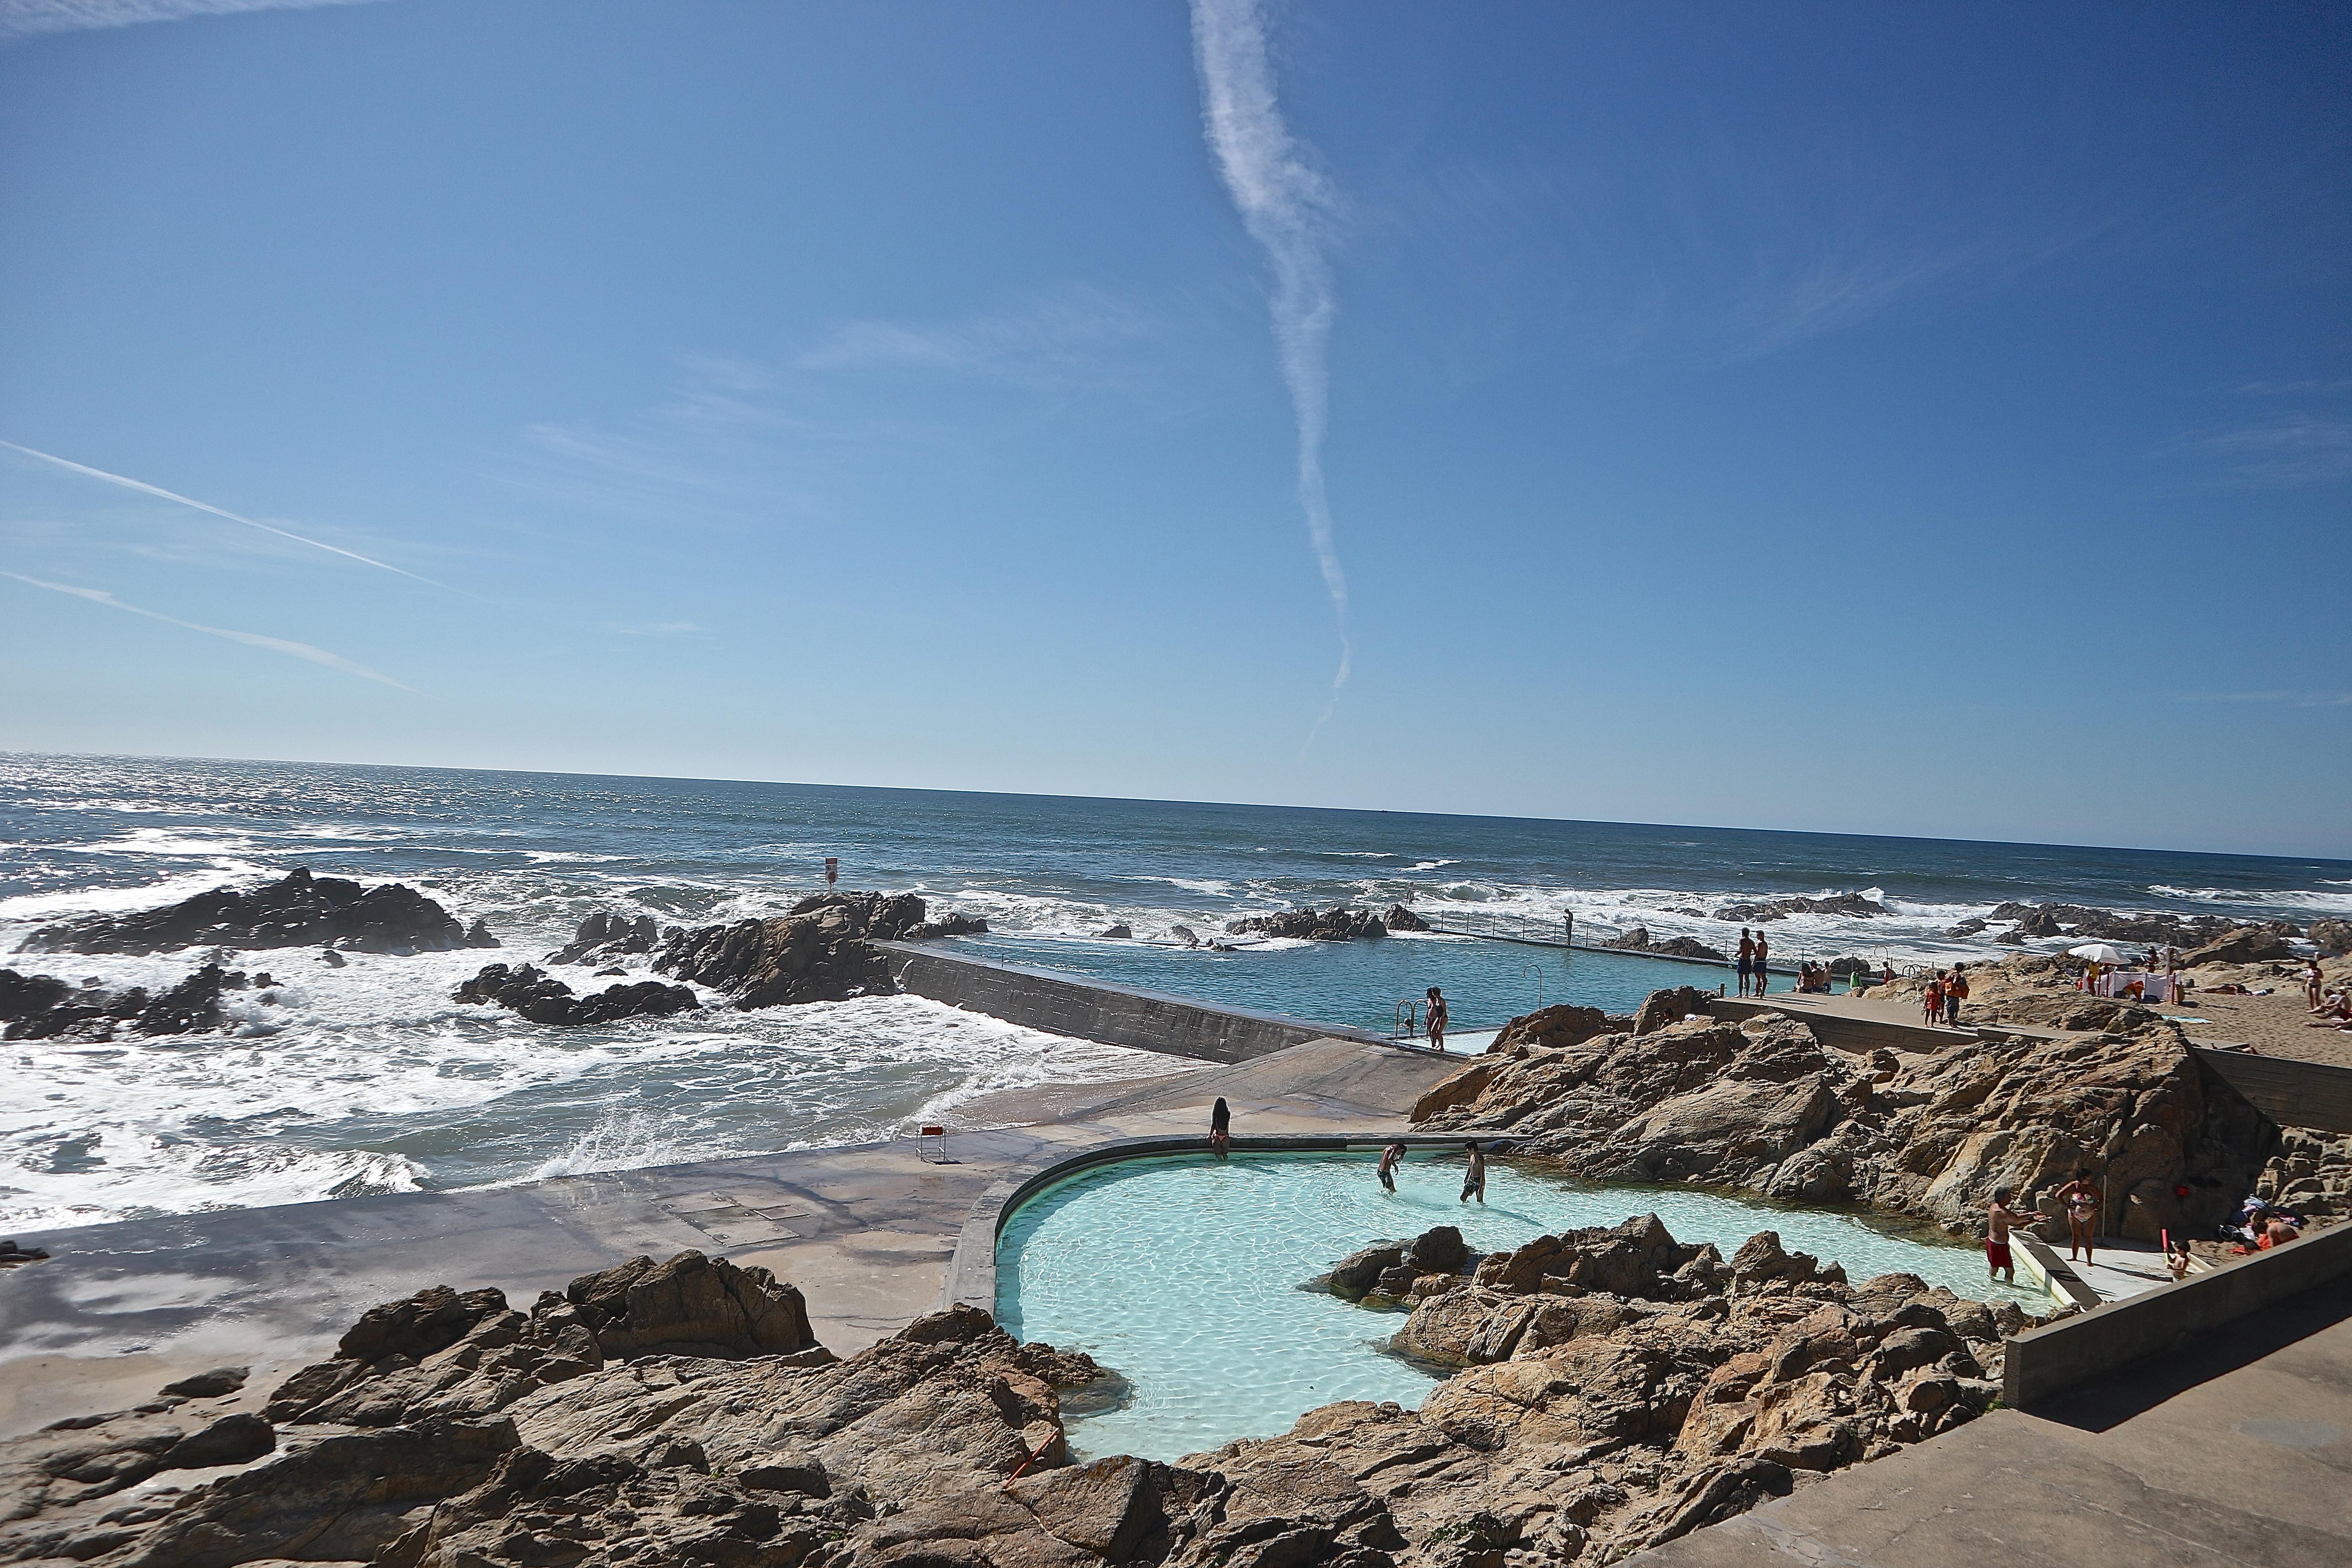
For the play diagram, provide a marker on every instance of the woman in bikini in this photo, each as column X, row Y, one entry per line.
column 2083, row 1200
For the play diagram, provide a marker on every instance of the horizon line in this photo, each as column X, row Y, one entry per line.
column 1170, row 800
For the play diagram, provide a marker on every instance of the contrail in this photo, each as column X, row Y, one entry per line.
column 252, row 639
column 141, row 485
column 1286, row 204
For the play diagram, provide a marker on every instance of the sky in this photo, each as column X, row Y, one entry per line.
column 1860, row 419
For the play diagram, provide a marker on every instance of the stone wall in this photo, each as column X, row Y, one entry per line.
column 1066, row 1005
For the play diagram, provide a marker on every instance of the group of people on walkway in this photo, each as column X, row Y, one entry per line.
column 1946, row 990
column 1755, row 962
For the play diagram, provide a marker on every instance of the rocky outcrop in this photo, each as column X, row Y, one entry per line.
column 1639, row 939
column 1853, row 904
column 1659, row 1009
column 1762, row 1105
column 2246, row 944
column 1121, row 933
column 605, row 937
column 2090, row 924
column 452, row 1432
column 1614, row 1388
column 525, row 990
column 297, row 910
column 1336, row 925
column 948, row 924
column 42, row 1007
column 1398, row 918
column 1394, row 1270
column 2311, row 1175
column 821, row 951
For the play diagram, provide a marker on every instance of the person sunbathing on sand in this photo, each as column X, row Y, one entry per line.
column 2336, row 1014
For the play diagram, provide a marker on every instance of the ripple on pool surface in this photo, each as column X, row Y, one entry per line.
column 1183, row 1274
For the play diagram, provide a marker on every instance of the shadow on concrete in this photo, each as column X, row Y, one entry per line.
column 2114, row 1399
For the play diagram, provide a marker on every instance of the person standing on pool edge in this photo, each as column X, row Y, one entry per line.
column 1747, row 958
column 1763, row 954
column 1221, row 1128
column 1437, row 1018
column 1475, row 1180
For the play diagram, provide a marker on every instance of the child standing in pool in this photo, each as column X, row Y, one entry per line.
column 1391, row 1158
column 1475, row 1180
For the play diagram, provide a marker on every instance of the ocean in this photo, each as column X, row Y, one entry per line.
column 370, row 1078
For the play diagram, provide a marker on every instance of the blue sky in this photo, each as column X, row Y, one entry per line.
column 1842, row 417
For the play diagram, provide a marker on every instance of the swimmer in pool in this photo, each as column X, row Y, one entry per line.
column 1474, row 1180
column 1391, row 1158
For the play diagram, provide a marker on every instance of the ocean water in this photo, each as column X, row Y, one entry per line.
column 1181, row 1274
column 370, row 1078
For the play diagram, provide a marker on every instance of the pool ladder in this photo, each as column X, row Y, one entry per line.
column 1407, row 1023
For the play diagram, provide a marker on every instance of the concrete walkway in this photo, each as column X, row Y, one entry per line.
column 2236, row 1452
column 864, row 1232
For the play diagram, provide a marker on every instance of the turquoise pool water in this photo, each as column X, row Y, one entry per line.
column 1182, row 1275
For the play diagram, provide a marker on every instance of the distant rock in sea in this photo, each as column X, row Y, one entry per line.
column 1638, row 940
column 1398, row 918
column 43, row 1007
column 1340, row 924
column 1853, row 904
column 297, row 910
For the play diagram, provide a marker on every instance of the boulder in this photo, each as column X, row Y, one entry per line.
column 604, row 937
column 1398, row 918
column 1355, row 1276
column 821, row 951
column 542, row 1000
column 2247, row 945
column 948, row 924
column 1438, row 1250
column 1661, row 1009
column 210, row 1385
column 298, row 910
column 1118, row 932
column 1337, row 924
column 690, row 1305
column 1639, row 939
column 2333, row 937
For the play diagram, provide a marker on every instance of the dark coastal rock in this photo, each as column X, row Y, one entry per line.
column 2091, row 923
column 1398, row 918
column 297, row 910
column 948, row 924
column 1762, row 1105
column 1336, row 924
column 2333, row 937
column 1968, row 927
column 210, row 1385
column 1851, row 904
column 1639, row 939
column 821, row 951
column 690, row 1305
column 41, row 1006
column 1118, row 932
column 604, row 937
column 1841, row 967
column 525, row 990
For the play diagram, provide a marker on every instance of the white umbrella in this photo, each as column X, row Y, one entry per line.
column 2100, row 952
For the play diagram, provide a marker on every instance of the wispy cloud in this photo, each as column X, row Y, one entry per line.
column 2316, row 386
column 658, row 628
column 292, row 649
column 146, row 489
column 2273, row 699
column 2299, row 448
column 1068, row 338
column 1288, row 206
column 31, row 18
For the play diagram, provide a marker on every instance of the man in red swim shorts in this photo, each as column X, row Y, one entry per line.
column 1998, row 1219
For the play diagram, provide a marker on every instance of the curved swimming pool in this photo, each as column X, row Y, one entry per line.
column 1182, row 1275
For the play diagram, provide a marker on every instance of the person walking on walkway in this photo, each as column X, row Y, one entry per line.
column 1763, row 957
column 1747, row 958
column 1931, row 1006
column 1221, row 1128
column 2084, row 1201
column 1437, row 1018
column 1391, row 1158
column 1956, row 991
column 1475, row 1180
